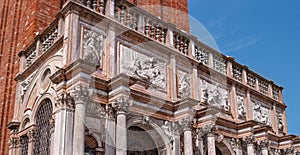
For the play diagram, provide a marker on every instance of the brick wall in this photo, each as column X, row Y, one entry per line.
column 19, row 21
column 173, row 11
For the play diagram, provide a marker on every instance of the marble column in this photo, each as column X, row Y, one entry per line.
column 187, row 135
column 31, row 138
column 250, row 146
column 13, row 145
column 63, row 125
column 81, row 97
column 237, row 146
column 110, row 132
column 264, row 147
column 121, row 105
column 211, row 146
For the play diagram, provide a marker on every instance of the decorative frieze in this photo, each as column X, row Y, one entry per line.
column 92, row 46
column 260, row 113
column 215, row 95
column 143, row 67
column 184, row 83
column 240, row 99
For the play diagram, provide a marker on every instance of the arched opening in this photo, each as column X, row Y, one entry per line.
column 91, row 146
column 43, row 135
column 139, row 142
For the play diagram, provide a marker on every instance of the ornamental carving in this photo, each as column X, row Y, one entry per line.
column 209, row 130
column 260, row 113
column 276, row 151
column 264, row 144
column 249, row 140
column 143, row 67
column 186, row 123
column 65, row 101
column 96, row 109
column 122, row 104
column 236, row 144
column 92, row 44
column 240, row 99
column 214, row 95
column 184, row 83
column 81, row 94
column 13, row 141
column 280, row 122
column 171, row 129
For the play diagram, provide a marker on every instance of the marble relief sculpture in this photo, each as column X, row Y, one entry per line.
column 143, row 67
column 214, row 95
column 241, row 106
column 92, row 46
column 260, row 113
column 183, row 84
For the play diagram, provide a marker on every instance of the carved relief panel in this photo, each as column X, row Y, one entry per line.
column 279, row 121
column 215, row 95
column 147, row 68
column 92, row 45
column 261, row 113
column 241, row 105
column 183, row 83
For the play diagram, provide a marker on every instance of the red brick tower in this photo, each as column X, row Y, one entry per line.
column 173, row 11
column 20, row 21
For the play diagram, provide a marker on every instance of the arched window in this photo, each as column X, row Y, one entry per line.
column 42, row 136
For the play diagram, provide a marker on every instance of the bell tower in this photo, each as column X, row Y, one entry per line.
column 171, row 11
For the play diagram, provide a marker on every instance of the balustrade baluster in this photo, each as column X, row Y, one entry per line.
column 134, row 21
column 162, row 36
column 94, row 5
column 147, row 27
column 116, row 10
column 152, row 30
column 186, row 46
column 101, row 6
column 89, row 3
column 128, row 16
column 181, row 48
column 157, row 32
column 122, row 14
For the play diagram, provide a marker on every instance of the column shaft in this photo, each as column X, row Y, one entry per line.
column 264, row 151
column 79, row 128
column 250, row 149
column 188, row 142
column 121, row 135
column 211, row 144
column 110, row 137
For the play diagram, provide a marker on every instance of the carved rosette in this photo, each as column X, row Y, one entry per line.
column 122, row 105
column 186, row 123
column 65, row 101
column 236, row 144
column 249, row 140
column 81, row 94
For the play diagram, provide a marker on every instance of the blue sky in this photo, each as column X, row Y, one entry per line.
column 262, row 34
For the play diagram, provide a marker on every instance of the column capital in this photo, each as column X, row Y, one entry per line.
column 65, row 100
column 31, row 134
column 236, row 144
column 209, row 129
column 249, row 140
column 122, row 104
column 81, row 94
column 264, row 144
column 13, row 141
column 186, row 123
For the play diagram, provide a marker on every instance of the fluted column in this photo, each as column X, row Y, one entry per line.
column 121, row 105
column 81, row 97
column 250, row 146
column 63, row 125
column 187, row 135
column 237, row 146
